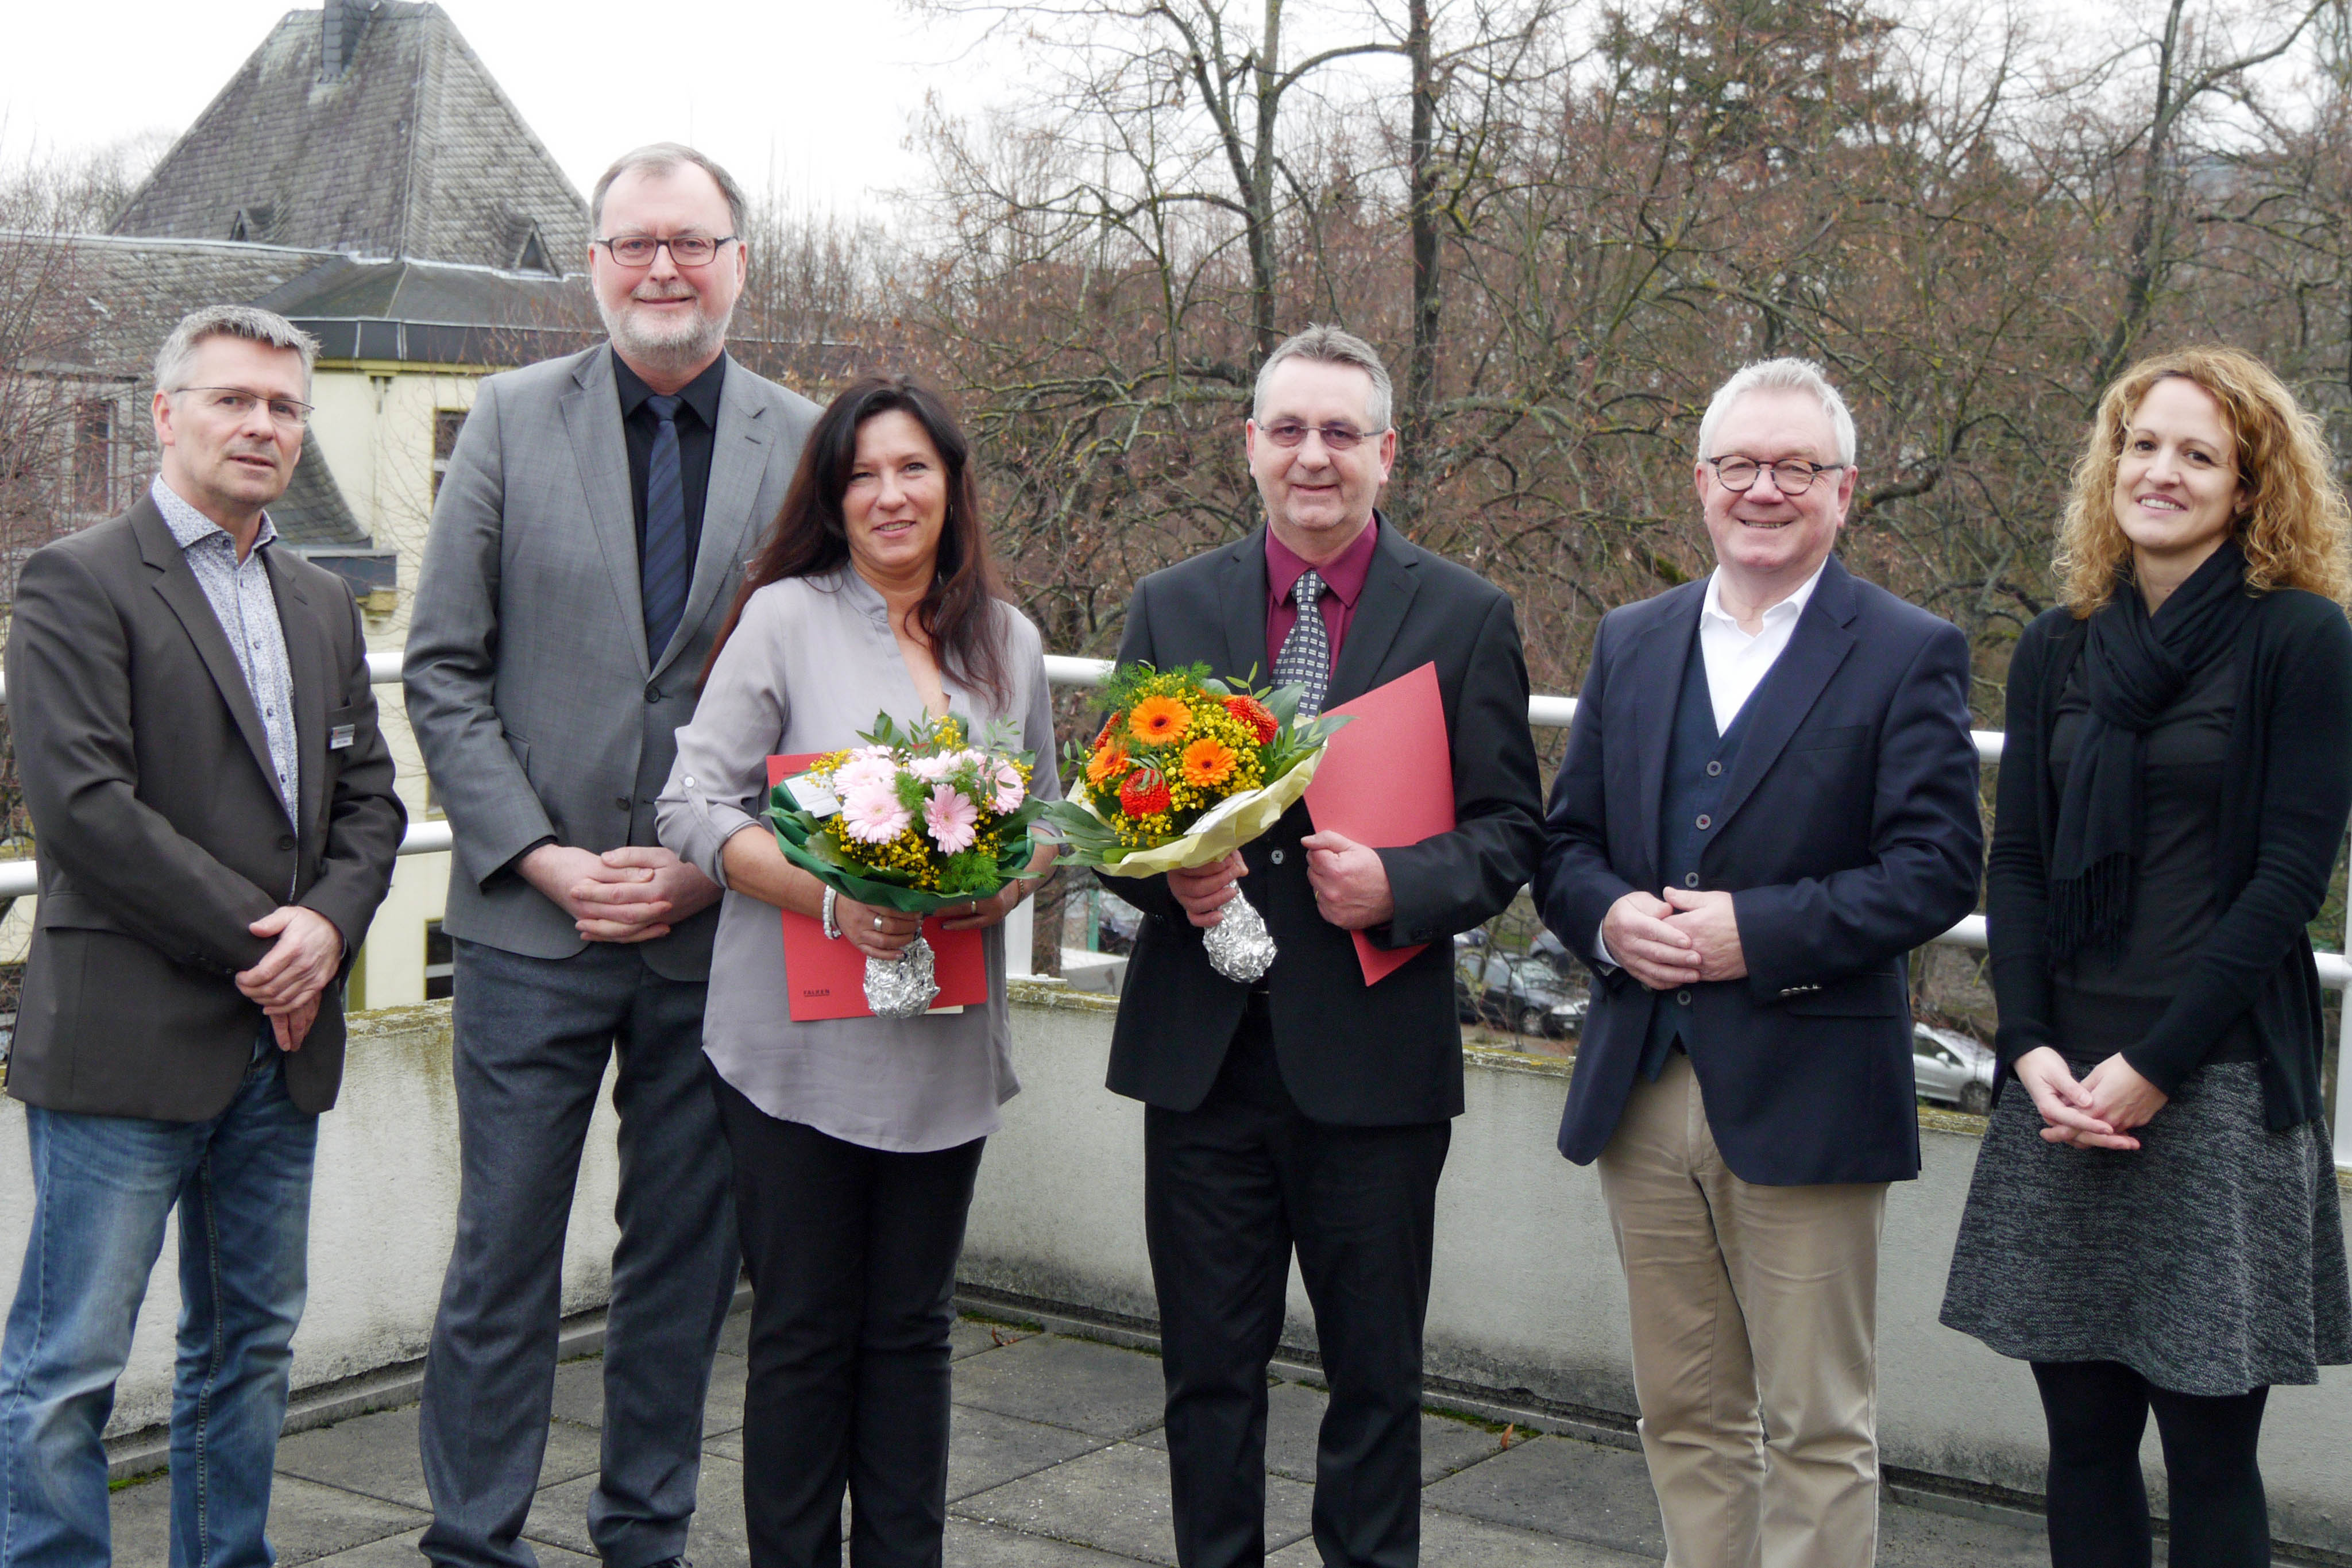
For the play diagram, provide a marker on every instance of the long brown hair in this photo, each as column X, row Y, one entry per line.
column 2295, row 527
column 810, row 537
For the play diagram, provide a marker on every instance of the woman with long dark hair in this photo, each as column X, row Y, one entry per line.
column 856, row 1141
column 2154, row 1224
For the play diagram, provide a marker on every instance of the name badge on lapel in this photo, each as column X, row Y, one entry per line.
column 340, row 736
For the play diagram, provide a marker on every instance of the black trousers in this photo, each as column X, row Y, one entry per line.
column 852, row 1252
column 1230, row 1190
column 2098, row 1410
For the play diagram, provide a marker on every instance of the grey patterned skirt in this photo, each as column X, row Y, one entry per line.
column 2210, row 1262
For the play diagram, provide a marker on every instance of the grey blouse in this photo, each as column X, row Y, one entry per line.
column 809, row 666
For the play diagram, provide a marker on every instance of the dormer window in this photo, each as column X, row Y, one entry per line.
column 532, row 255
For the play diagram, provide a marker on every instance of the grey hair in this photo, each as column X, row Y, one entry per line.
column 662, row 158
column 1330, row 346
column 1780, row 376
column 175, row 360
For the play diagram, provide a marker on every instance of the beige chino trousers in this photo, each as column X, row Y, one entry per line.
column 1755, row 1327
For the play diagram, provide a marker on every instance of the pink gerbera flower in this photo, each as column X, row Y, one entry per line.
column 952, row 819
column 1010, row 790
column 872, row 815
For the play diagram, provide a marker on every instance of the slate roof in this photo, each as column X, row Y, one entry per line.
column 412, row 151
column 437, row 312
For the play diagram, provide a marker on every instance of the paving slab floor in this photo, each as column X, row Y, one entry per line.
column 1059, row 1461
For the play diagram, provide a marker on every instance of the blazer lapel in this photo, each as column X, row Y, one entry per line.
column 1242, row 585
column 592, row 418
column 739, row 461
column 1654, row 666
column 308, row 661
column 178, row 586
column 1389, row 584
column 1790, row 688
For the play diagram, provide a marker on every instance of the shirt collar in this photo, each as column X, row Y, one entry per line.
column 1788, row 609
column 190, row 526
column 701, row 394
column 1344, row 575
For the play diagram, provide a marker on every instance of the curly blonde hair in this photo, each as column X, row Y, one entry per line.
column 2294, row 527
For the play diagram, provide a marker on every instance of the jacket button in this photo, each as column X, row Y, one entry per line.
column 1705, row 820
column 286, row 841
column 1682, row 997
column 621, row 801
column 1276, row 857
column 653, row 693
column 1690, row 879
column 1715, row 770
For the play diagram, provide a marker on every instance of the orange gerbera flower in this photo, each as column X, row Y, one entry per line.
column 1159, row 720
column 1110, row 724
column 1109, row 761
column 1207, row 762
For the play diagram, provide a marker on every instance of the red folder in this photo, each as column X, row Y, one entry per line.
column 827, row 978
column 1387, row 780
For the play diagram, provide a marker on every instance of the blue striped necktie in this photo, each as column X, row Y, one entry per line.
column 662, row 564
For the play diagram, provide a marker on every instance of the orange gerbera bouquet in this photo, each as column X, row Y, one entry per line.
column 1186, row 770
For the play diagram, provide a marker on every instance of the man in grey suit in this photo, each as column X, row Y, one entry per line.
column 215, row 812
column 588, row 538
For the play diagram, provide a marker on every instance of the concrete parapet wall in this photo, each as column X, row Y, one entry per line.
column 383, row 1212
column 1528, row 1298
column 1528, row 1306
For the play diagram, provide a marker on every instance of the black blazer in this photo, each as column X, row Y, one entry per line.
column 2285, row 790
column 160, row 832
column 1849, row 834
column 1355, row 1055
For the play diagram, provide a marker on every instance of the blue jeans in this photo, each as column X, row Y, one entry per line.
column 102, row 1186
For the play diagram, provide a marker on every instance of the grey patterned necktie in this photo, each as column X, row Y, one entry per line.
column 1306, row 656
column 665, row 572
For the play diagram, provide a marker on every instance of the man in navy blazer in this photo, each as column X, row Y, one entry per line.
column 1770, row 797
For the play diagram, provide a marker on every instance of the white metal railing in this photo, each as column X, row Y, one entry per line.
column 18, row 880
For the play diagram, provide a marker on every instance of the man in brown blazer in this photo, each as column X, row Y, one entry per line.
column 214, row 810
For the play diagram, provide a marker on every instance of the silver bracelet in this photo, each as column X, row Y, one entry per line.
column 832, row 932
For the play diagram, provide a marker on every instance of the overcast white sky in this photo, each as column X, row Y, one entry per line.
column 818, row 93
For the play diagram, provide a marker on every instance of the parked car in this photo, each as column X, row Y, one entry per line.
column 1952, row 1069
column 1522, row 994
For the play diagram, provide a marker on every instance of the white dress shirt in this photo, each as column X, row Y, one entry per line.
column 1736, row 663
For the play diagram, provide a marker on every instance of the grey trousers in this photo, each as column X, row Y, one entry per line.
column 533, row 1038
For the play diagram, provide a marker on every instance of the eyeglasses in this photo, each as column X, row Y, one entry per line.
column 236, row 403
column 1293, row 433
column 1790, row 475
column 686, row 249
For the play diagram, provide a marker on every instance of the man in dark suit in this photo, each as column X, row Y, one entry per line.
column 1310, row 1110
column 1770, row 797
column 586, row 545
column 215, row 813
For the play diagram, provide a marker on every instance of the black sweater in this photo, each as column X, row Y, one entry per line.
column 2286, row 795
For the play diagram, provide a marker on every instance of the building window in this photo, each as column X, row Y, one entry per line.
column 440, row 962
column 447, row 423
column 93, row 458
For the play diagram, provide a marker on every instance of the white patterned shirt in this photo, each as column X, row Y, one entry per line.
column 247, row 612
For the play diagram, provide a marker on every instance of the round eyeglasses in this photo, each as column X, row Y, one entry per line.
column 685, row 250
column 1790, row 475
column 1293, row 433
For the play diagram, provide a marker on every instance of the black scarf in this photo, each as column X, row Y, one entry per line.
column 2134, row 666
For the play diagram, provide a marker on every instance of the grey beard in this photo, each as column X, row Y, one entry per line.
column 673, row 355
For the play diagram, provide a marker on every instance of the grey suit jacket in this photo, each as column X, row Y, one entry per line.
column 538, row 706
column 160, row 833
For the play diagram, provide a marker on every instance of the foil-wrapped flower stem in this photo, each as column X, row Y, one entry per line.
column 902, row 987
column 1240, row 947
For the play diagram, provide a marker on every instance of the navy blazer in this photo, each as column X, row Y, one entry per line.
column 1351, row 1054
column 1849, row 834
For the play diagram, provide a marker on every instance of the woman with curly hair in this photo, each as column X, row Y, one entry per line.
column 2154, row 1222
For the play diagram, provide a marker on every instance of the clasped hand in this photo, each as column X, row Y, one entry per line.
column 1350, row 882
column 2096, row 1111
column 296, row 970
column 1682, row 938
column 635, row 893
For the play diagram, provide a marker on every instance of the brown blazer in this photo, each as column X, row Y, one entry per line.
column 158, row 825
